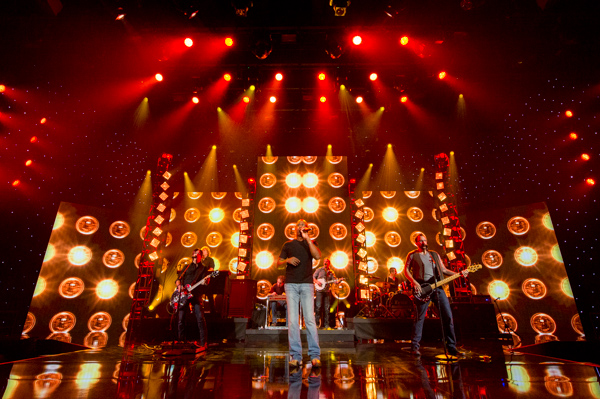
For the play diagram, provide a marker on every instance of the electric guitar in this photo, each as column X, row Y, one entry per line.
column 427, row 289
column 181, row 298
column 322, row 283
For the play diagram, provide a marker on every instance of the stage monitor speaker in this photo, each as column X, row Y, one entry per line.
column 242, row 297
column 475, row 321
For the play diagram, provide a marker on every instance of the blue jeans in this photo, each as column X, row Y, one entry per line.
column 274, row 305
column 301, row 295
column 446, row 314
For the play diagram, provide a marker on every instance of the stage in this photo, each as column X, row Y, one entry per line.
column 235, row 370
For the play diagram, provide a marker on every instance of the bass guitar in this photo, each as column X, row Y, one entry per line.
column 322, row 283
column 180, row 298
column 427, row 289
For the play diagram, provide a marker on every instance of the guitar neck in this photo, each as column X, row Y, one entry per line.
column 445, row 281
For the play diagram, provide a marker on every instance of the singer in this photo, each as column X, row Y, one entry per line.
column 297, row 257
column 420, row 269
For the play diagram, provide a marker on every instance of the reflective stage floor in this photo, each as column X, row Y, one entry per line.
column 364, row 370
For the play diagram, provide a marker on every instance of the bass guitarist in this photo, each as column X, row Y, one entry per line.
column 193, row 273
column 421, row 264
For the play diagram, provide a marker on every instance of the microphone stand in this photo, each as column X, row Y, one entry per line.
column 507, row 327
column 437, row 295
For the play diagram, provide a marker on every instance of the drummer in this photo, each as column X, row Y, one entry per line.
column 393, row 280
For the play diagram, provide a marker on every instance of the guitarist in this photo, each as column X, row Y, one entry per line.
column 209, row 266
column 193, row 273
column 323, row 299
column 421, row 264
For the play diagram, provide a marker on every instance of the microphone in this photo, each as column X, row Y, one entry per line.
column 306, row 230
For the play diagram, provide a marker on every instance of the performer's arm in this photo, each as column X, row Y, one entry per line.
column 284, row 261
column 409, row 276
column 314, row 250
column 445, row 270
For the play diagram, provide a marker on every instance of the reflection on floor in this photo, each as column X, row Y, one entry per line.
column 382, row 370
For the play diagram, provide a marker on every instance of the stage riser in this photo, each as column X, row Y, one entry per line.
column 281, row 336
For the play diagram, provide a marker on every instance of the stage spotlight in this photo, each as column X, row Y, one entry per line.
column 188, row 42
column 227, row 77
column 279, row 77
column 252, row 87
column 246, row 99
column 106, row 289
column 498, row 290
column 585, row 157
column 310, row 205
column 589, row 181
column 158, row 77
column 310, row 180
column 293, row 205
column 568, row 113
column 195, row 100
column 273, row 99
column 15, row 183
column 442, row 75
column 43, row 120
column 373, row 77
column 293, row 180
column 339, row 7
column 333, row 48
column 2, row 88
column 357, row 40
column 403, row 99
column 404, row 40
column 33, row 139
column 339, row 259
column 264, row 259
column 573, row 136
column 28, row 162
column 228, row 41
column 359, row 100
column 323, row 99
column 390, row 214
column 216, row 215
column 321, row 76
column 262, row 46
column 120, row 14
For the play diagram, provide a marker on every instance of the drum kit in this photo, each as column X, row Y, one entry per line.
column 381, row 300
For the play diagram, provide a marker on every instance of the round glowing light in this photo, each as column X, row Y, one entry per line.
column 568, row 113
column 310, row 204
column 403, row 99
column 264, row 259
column 442, row 75
column 40, row 286
column 214, row 239
column 188, row 42
column 526, row 256
column 158, row 77
column 233, row 263
column 216, row 215
column 547, row 221
column 584, row 157
column 227, row 77
column 396, row 263
column 372, row 265
column 323, row 99
column 534, row 288
column 293, row 180
column 565, row 287
column 235, row 240
column 485, row 230
column 79, row 255
column 279, row 77
column 339, row 259
column 188, row 239
column 50, row 252
column 43, row 120
column 337, row 205
column 195, row 100
column 518, row 225
column 229, row 41
column 310, row 180
column 589, row 181
column 62, row 322
column 113, row 258
column 293, row 205
column 272, row 99
column 370, row 239
column 2, row 88
column 404, row 40
column 390, row 214
column 357, row 40
column 359, row 100
column 33, row 139
column 498, row 290
column 107, row 289
column 266, row 205
column 373, row 77
column 246, row 99
column 573, row 136
column 191, row 215
column 15, row 183
column 59, row 221
column 321, row 76
column 555, row 251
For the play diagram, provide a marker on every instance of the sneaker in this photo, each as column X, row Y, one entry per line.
column 455, row 352
column 294, row 363
column 415, row 352
column 316, row 362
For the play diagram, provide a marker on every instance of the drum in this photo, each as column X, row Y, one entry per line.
column 401, row 306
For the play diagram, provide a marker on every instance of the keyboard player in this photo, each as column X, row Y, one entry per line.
column 277, row 290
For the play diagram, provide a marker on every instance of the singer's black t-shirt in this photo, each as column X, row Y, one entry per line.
column 301, row 274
